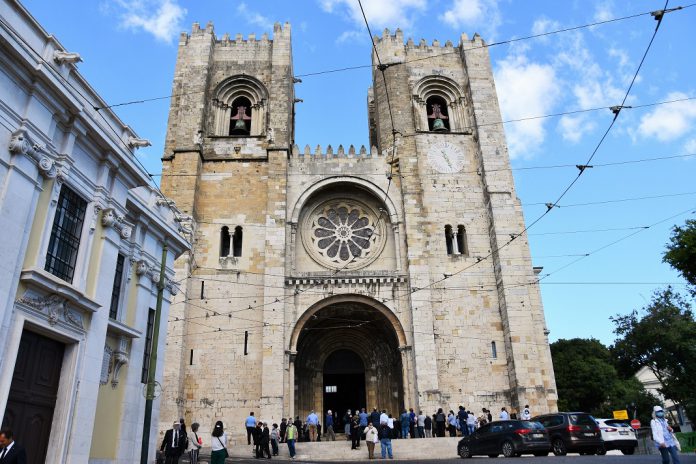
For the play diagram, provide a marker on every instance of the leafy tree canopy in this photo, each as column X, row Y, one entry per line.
column 681, row 250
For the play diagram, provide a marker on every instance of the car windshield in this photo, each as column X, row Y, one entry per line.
column 582, row 419
column 532, row 425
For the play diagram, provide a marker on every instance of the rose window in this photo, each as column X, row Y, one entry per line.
column 344, row 234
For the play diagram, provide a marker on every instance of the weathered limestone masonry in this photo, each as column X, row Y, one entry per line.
column 344, row 277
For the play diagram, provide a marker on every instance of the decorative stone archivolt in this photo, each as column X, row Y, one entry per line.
column 55, row 308
column 343, row 234
column 225, row 95
column 111, row 219
column 21, row 144
column 450, row 92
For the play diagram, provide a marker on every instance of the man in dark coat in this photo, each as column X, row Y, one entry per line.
column 256, row 436
column 374, row 418
column 173, row 444
column 11, row 452
column 265, row 441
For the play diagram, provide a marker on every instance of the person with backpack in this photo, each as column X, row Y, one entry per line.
column 385, row 441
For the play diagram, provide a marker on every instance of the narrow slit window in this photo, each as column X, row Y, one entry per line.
column 461, row 240
column 224, row 242
column 116, row 289
column 191, row 359
column 494, row 350
column 438, row 117
column 449, row 239
column 240, row 119
column 237, row 242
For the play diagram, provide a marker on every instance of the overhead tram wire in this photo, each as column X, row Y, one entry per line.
column 365, row 66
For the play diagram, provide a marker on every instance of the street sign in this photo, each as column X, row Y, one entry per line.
column 623, row 414
column 635, row 423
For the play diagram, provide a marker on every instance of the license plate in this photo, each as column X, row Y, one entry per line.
column 589, row 434
column 623, row 432
column 538, row 435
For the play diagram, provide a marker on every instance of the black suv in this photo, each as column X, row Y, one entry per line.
column 509, row 438
column 575, row 432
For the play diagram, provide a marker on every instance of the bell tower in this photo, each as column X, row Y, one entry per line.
column 478, row 324
column 230, row 129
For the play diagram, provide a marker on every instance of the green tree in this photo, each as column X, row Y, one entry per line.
column 662, row 336
column 681, row 251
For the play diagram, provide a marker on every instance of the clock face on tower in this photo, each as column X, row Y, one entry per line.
column 445, row 157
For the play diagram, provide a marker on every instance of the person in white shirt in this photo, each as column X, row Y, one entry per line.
column 371, row 437
column 218, row 444
column 526, row 413
column 663, row 437
column 470, row 422
column 420, row 424
column 504, row 414
column 383, row 417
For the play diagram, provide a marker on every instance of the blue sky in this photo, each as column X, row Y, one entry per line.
column 129, row 51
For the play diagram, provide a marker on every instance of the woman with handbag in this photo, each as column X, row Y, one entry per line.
column 218, row 444
column 196, row 443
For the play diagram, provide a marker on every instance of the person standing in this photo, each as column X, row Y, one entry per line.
column 283, row 428
column 452, row 424
column 504, row 414
column 374, row 418
column 355, row 432
column 383, row 418
column 404, row 420
column 490, row 416
column 275, row 439
column 218, row 444
column 312, row 421
column 385, row 441
column 196, row 443
column 483, row 417
column 526, row 413
column 428, row 423
column 250, row 424
column 390, row 424
column 363, row 417
column 290, row 437
column 11, row 452
column 461, row 416
column 347, row 418
column 420, row 425
column 173, row 444
column 371, row 437
column 265, row 441
column 256, row 438
column 412, row 423
column 329, row 426
column 470, row 423
column 663, row 436
column 440, row 421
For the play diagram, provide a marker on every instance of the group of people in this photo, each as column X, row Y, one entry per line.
column 176, row 441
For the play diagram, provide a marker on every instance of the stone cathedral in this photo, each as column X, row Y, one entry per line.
column 339, row 277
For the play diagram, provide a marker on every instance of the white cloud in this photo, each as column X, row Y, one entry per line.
column 351, row 36
column 690, row 146
column 573, row 128
column 161, row 18
column 603, row 11
column 525, row 89
column 253, row 17
column 380, row 13
column 474, row 13
column 671, row 121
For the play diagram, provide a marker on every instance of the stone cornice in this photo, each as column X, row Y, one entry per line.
column 21, row 144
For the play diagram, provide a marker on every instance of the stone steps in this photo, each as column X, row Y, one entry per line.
column 411, row 449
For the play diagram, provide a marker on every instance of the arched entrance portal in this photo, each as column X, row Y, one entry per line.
column 351, row 347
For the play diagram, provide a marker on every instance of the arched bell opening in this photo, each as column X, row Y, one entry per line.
column 347, row 358
column 438, row 114
column 240, row 120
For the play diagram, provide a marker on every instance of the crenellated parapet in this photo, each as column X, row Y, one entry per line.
column 238, row 40
column 394, row 43
column 317, row 153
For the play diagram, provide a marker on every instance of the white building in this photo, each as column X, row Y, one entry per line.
column 81, row 240
column 675, row 411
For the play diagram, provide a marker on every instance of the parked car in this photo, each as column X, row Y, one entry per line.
column 509, row 438
column 572, row 432
column 617, row 434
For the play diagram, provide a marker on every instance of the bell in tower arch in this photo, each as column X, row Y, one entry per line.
column 438, row 118
column 240, row 125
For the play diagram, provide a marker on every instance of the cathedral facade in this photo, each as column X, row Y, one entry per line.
column 393, row 276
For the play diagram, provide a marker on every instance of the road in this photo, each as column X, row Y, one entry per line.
column 635, row 459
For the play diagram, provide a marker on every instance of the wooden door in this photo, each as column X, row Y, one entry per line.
column 33, row 393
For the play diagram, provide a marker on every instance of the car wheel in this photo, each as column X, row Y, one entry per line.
column 628, row 450
column 559, row 448
column 508, row 450
column 464, row 451
column 539, row 455
column 601, row 451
